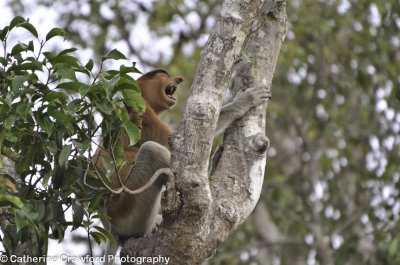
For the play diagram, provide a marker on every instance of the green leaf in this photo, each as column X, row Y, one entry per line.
column 26, row 216
column 46, row 124
column 3, row 32
column 52, row 146
column 119, row 152
column 6, row 102
column 94, row 202
column 98, row 237
column 115, row 55
column 11, row 137
column 28, row 26
column 66, row 59
column 59, row 233
column 46, row 178
column 123, row 114
column 129, row 69
column 15, row 21
column 18, row 81
column 62, row 160
column 109, row 165
column 33, row 60
column 49, row 56
column 133, row 98
column 40, row 208
column 132, row 131
column 74, row 86
column 9, row 122
column 55, row 95
column 20, row 47
column 31, row 47
column 27, row 66
column 82, row 147
column 77, row 218
column 66, row 72
column 82, row 69
column 26, row 160
column 22, row 109
column 84, row 89
column 105, row 232
column 58, row 178
column 56, row 32
column 126, row 82
column 3, row 61
column 63, row 52
column 89, row 65
column 20, row 220
column 54, row 211
column 101, row 216
column 129, row 80
column 59, row 116
column 104, row 106
column 13, row 199
column 108, row 85
column 95, row 88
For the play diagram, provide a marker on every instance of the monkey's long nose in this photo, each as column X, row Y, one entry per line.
column 179, row 79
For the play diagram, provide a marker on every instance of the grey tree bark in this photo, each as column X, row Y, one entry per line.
column 209, row 209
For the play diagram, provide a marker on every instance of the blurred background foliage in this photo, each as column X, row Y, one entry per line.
column 331, row 189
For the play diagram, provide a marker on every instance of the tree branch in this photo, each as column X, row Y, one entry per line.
column 249, row 163
column 208, row 212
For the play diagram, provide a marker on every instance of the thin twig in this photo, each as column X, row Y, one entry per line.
column 88, row 185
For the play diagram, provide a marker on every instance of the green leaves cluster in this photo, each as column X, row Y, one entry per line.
column 53, row 111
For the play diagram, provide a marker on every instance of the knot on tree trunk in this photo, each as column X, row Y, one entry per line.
column 259, row 143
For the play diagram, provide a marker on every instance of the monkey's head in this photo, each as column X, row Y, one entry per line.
column 158, row 89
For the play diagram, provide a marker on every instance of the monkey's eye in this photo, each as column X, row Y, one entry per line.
column 170, row 90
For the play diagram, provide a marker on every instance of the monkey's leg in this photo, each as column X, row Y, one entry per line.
column 136, row 215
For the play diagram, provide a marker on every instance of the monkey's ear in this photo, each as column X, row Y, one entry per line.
column 179, row 79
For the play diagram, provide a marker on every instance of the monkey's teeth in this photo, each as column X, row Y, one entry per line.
column 170, row 90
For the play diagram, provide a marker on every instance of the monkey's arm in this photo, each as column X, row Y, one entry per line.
column 241, row 104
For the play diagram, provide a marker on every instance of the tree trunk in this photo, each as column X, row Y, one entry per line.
column 211, row 208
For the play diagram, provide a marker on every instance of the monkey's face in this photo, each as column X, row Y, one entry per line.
column 159, row 88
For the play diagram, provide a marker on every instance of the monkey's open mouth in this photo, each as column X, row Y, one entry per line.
column 170, row 90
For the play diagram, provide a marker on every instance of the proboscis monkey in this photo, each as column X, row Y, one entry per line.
column 136, row 215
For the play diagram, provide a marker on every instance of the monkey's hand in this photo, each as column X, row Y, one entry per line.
column 241, row 105
column 253, row 97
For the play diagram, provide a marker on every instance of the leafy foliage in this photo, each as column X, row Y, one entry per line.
column 335, row 68
column 53, row 111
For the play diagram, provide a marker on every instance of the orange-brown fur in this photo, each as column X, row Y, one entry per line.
column 153, row 86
